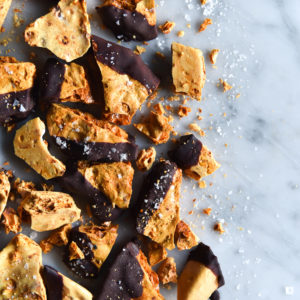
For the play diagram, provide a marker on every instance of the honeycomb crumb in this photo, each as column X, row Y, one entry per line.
column 167, row 271
column 205, row 23
column 159, row 109
column 202, row 184
column 188, row 25
column 180, row 33
column 214, row 55
column 226, row 86
column 167, row 27
column 195, row 127
column 46, row 246
column 219, row 228
column 238, row 96
column 75, row 251
column 183, row 111
column 146, row 159
column 11, row 221
column 184, row 236
column 160, row 55
column 139, row 50
column 207, row 211
column 203, row 2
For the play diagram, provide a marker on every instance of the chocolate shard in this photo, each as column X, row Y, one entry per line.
column 101, row 206
column 194, row 158
column 129, row 24
column 127, row 80
column 215, row 296
column 187, row 151
column 16, row 89
column 88, row 248
column 158, row 204
column 201, row 275
column 130, row 277
column 64, row 83
column 82, row 137
column 203, row 254
column 51, row 81
column 60, row 287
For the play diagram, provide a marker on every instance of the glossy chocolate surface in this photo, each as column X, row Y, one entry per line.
column 154, row 190
column 124, row 61
column 124, row 279
column 205, row 256
column 53, row 282
column 187, row 152
column 127, row 25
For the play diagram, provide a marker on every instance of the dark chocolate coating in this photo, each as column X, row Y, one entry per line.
column 124, row 278
column 53, row 282
column 51, row 81
column 205, row 256
column 84, row 268
column 124, row 61
column 16, row 106
column 101, row 206
column 98, row 152
column 187, row 152
column 154, row 190
column 215, row 296
column 127, row 25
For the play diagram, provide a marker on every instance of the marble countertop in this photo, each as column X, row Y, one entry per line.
column 256, row 137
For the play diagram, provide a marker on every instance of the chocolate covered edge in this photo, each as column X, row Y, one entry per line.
column 215, row 295
column 53, row 282
column 96, row 151
column 154, row 191
column 51, row 81
column 187, row 152
column 124, row 278
column 124, row 61
column 101, row 206
column 204, row 255
column 15, row 106
column 127, row 25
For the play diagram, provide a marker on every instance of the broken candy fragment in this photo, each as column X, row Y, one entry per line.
column 156, row 127
column 16, row 86
column 82, row 137
column 60, row 287
column 127, row 80
column 64, row 83
column 65, row 30
column 167, row 271
column 4, row 7
column 130, row 20
column 158, row 204
column 184, row 237
column 4, row 190
column 146, row 159
column 11, row 221
column 30, row 146
column 201, row 275
column 188, row 70
column 48, row 210
column 20, row 265
column 193, row 157
column 130, row 277
column 88, row 248
column 107, row 186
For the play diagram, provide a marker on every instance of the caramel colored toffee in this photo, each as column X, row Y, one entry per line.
column 107, row 186
column 194, row 158
column 128, row 21
column 130, row 277
column 127, row 80
column 201, row 276
column 82, row 137
column 16, row 89
column 88, row 248
column 64, row 83
column 158, row 209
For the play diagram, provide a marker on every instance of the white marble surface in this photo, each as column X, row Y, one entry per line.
column 256, row 192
